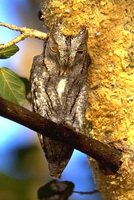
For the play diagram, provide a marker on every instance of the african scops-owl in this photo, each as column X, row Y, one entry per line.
column 59, row 88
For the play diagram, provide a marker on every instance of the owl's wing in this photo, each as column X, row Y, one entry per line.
column 46, row 103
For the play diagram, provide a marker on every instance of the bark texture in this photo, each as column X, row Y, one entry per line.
column 110, row 114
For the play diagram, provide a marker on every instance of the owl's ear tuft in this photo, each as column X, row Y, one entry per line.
column 83, row 34
column 57, row 26
column 56, row 30
column 83, row 31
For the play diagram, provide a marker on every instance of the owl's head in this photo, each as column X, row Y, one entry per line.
column 67, row 51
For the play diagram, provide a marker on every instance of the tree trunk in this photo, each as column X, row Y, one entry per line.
column 111, row 78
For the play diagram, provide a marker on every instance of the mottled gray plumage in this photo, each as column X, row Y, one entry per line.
column 59, row 87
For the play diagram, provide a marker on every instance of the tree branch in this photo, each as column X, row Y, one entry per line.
column 25, row 32
column 103, row 153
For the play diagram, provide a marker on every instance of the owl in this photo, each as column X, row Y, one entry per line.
column 59, row 89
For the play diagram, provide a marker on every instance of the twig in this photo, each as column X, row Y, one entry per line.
column 103, row 153
column 86, row 193
column 25, row 32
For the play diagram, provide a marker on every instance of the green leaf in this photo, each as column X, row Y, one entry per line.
column 12, row 87
column 8, row 52
column 27, row 84
column 55, row 189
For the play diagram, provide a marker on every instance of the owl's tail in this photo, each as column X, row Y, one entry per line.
column 57, row 155
column 56, row 169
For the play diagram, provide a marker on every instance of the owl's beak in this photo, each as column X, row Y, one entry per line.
column 64, row 64
column 64, row 60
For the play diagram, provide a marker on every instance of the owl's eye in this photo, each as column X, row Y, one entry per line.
column 80, row 52
column 54, row 47
column 81, row 49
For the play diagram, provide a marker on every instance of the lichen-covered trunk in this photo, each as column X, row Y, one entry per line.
column 111, row 78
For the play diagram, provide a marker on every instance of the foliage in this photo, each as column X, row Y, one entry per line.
column 12, row 87
column 8, row 52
